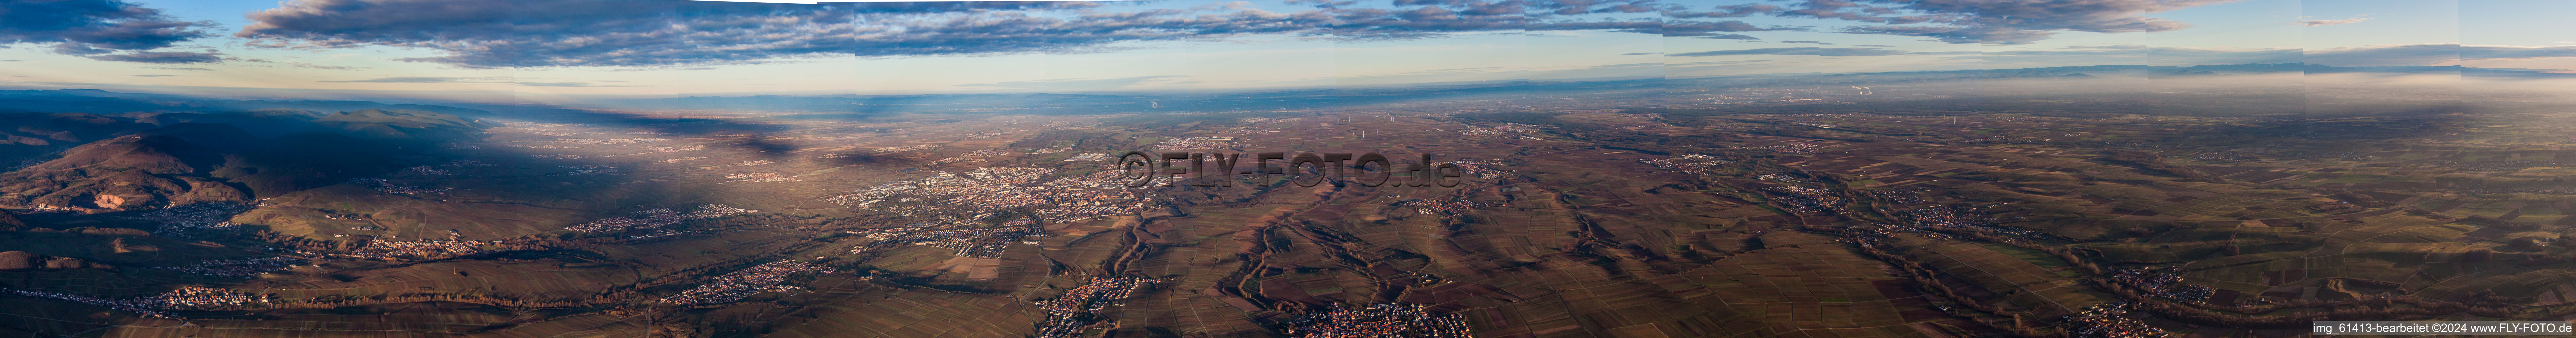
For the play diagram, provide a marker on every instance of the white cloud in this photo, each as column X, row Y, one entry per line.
column 2314, row 23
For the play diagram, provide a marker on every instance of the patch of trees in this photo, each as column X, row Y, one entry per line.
column 2337, row 208
column 2476, row 256
column 2506, row 224
column 2531, row 259
column 2361, row 199
column 1051, row 137
column 928, row 282
column 2414, row 211
column 22, row 260
column 2376, row 309
column 2151, row 162
column 2372, row 309
column 10, row 222
column 1927, row 276
column 1803, row 132
column 1692, row 184
column 1618, row 138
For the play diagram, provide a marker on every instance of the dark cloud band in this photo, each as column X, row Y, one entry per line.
column 522, row 34
column 1971, row 21
column 1816, row 51
column 99, row 28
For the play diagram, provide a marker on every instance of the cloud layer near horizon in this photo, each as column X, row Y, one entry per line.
column 1974, row 21
column 2369, row 56
column 486, row 34
column 651, row 34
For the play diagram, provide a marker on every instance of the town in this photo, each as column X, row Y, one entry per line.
column 1693, row 163
column 239, row 267
column 452, row 246
column 657, row 218
column 736, row 285
column 1380, row 321
column 2111, row 321
column 179, row 221
column 159, row 305
column 970, row 242
column 945, row 195
column 1070, row 312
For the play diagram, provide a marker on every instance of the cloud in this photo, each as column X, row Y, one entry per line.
column 1874, row 45
column 13, row 60
column 2376, row 55
column 1725, row 11
column 154, row 75
column 1973, row 21
column 1715, row 63
column 1645, row 53
column 2430, row 54
column 1813, row 42
column 315, row 66
column 2138, row 54
column 178, row 68
column 1730, row 37
column 2534, row 69
column 161, row 57
column 1080, row 83
column 485, row 34
column 1816, row 51
column 1728, row 64
column 415, row 79
column 2314, row 23
column 566, row 84
column 1450, row 71
column 1701, row 29
column 1627, row 65
column 422, row 80
column 95, row 27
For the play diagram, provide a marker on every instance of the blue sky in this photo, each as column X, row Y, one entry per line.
column 546, row 49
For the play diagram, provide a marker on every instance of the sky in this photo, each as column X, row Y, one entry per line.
column 545, row 50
